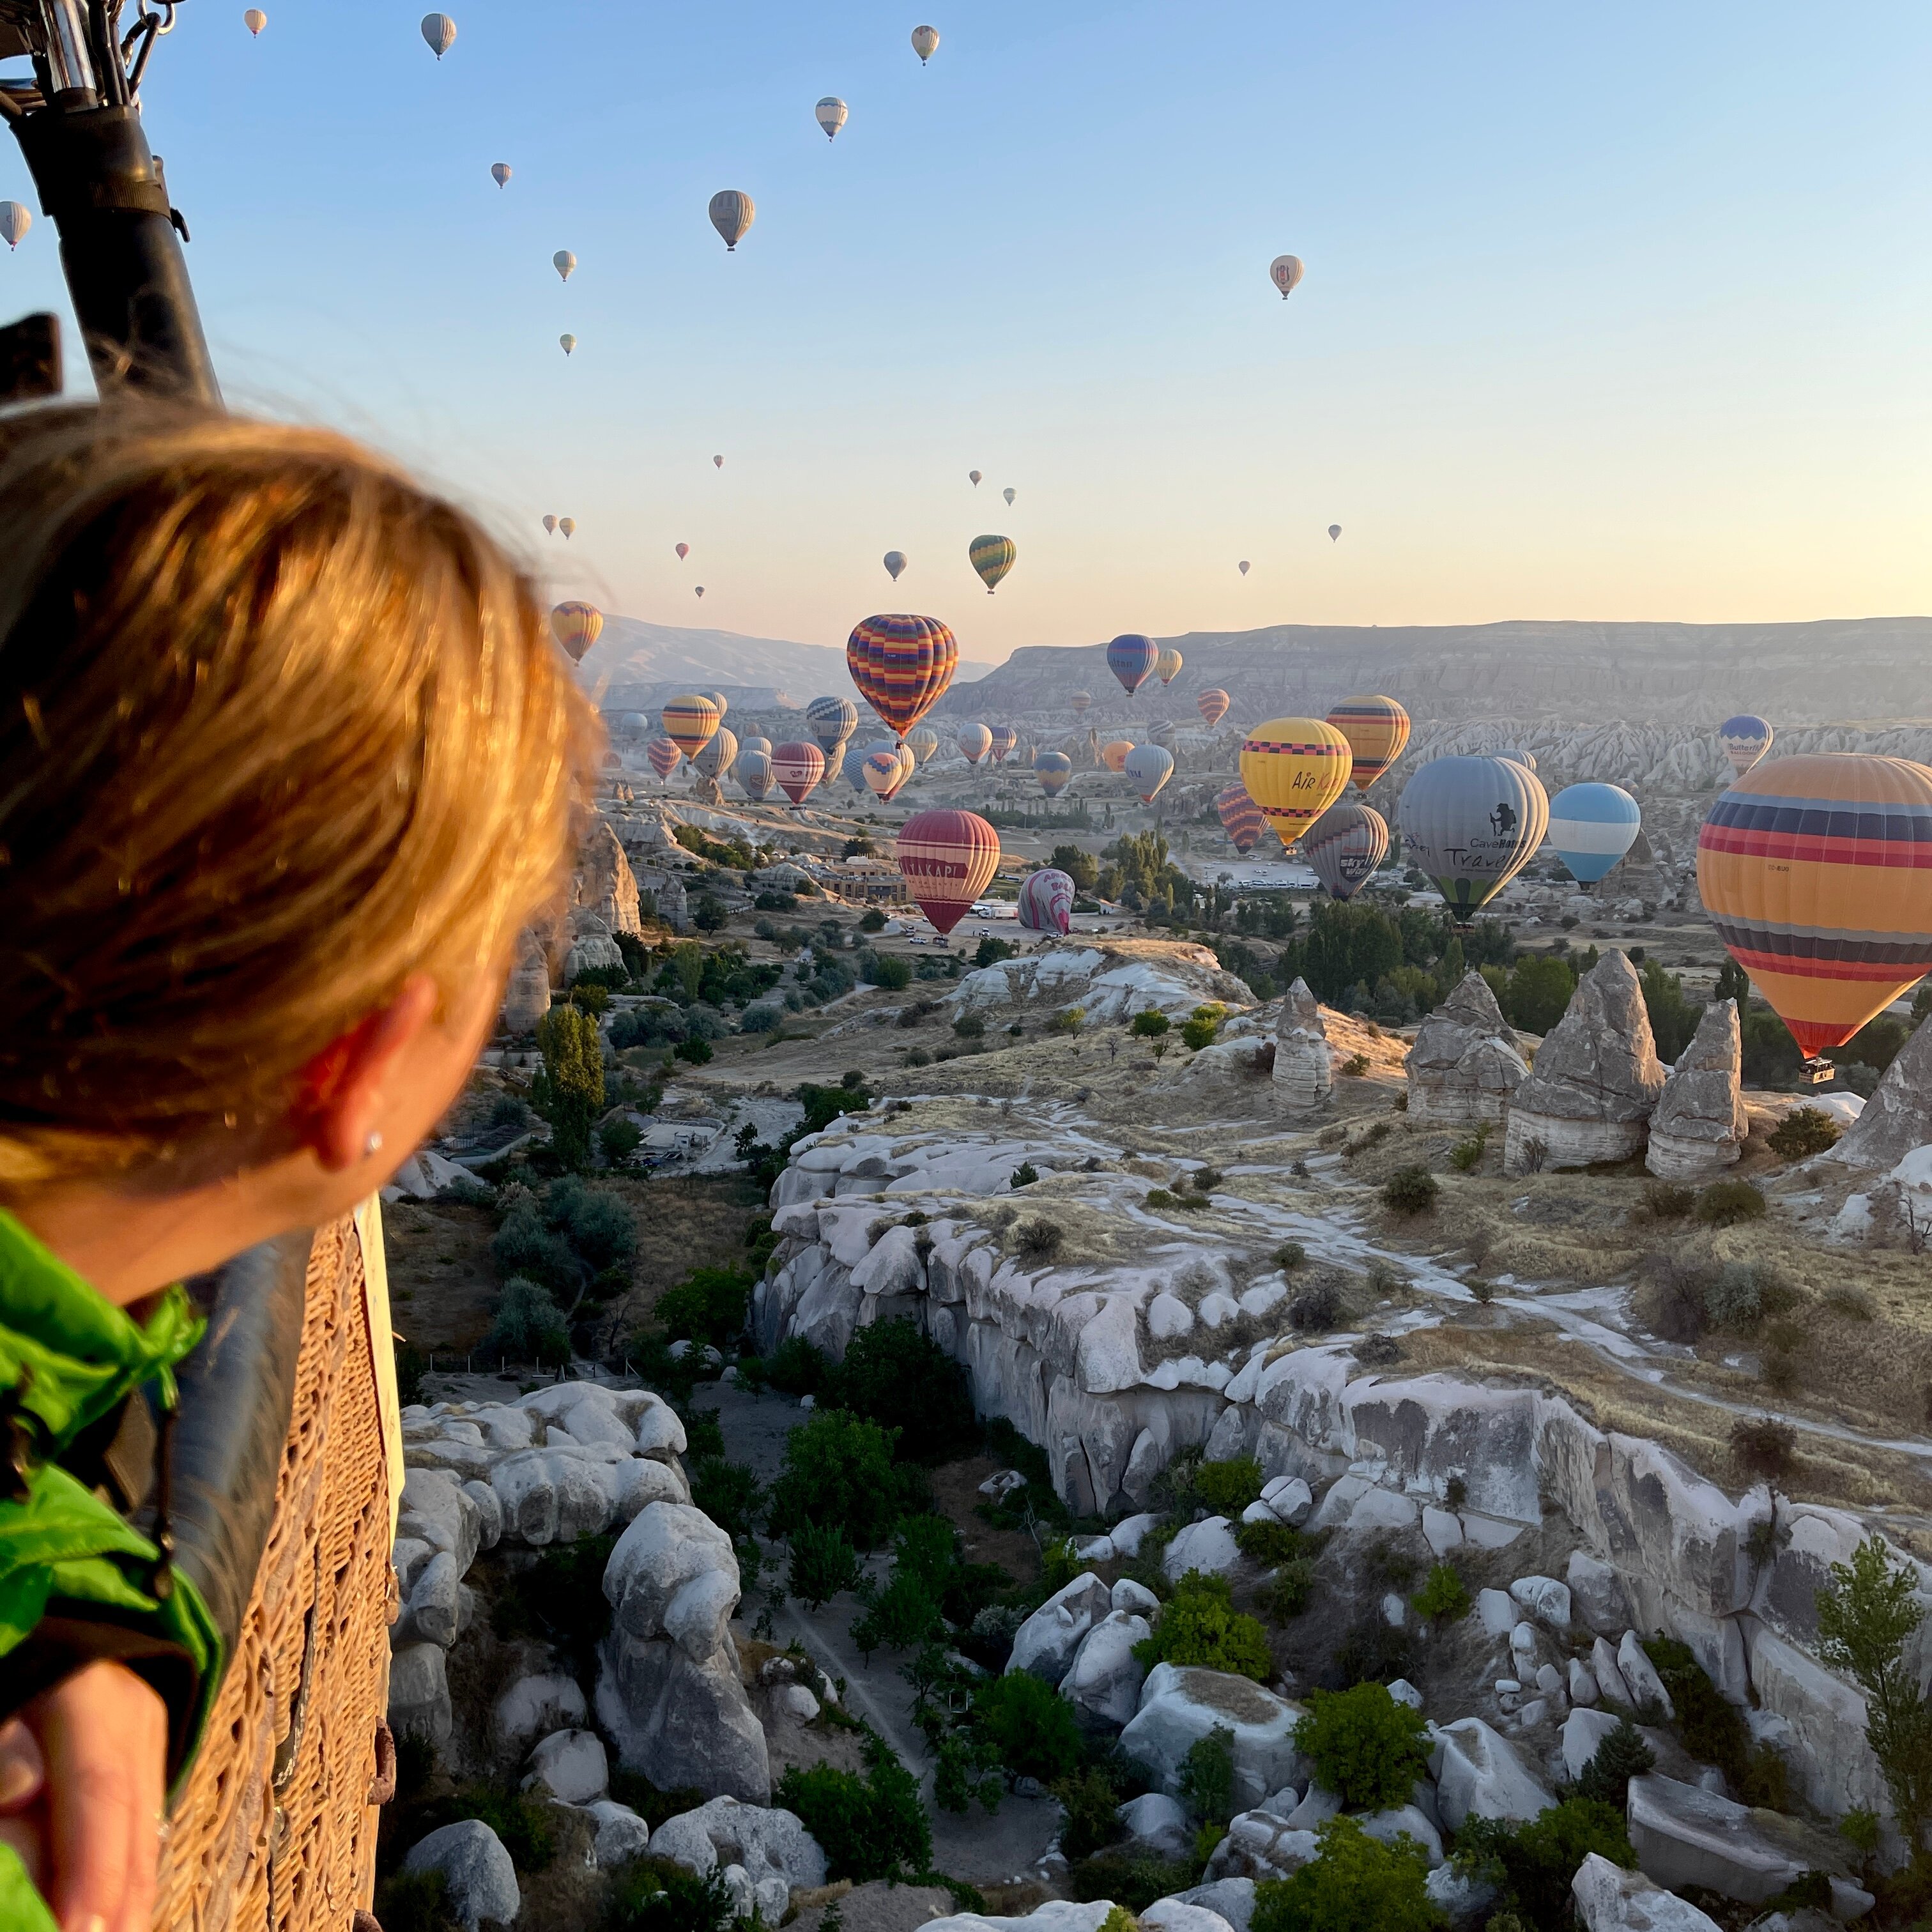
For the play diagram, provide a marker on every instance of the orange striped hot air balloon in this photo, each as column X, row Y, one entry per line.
column 576, row 626
column 947, row 859
column 1240, row 817
column 663, row 756
column 1816, row 871
column 1377, row 729
column 1213, row 705
column 1295, row 769
column 1115, row 756
column 902, row 665
column 797, row 767
column 689, row 722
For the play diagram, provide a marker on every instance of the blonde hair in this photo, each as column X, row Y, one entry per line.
column 278, row 729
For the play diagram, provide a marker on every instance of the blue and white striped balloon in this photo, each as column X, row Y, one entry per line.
column 1591, row 827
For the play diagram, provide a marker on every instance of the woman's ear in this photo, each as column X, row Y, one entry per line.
column 339, row 1116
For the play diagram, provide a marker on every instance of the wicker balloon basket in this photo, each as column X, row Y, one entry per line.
column 276, row 1828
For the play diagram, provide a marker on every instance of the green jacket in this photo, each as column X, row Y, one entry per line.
column 69, row 1562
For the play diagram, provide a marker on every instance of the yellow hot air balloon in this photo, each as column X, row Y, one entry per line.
column 690, row 722
column 575, row 626
column 992, row 557
column 1294, row 769
column 1115, row 756
column 568, row 525
column 1167, row 666
column 254, row 20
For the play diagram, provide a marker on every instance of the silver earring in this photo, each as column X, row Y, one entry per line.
column 373, row 1145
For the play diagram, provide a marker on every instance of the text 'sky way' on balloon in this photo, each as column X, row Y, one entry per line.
column 732, row 213
column 663, row 756
column 1115, row 756
column 830, row 114
column 1295, row 769
column 500, row 172
column 753, row 771
column 902, row 665
column 689, row 722
column 1285, row 272
column 925, row 42
column 1004, row 738
column 1472, row 824
column 1132, row 658
column 1081, row 701
column 1148, row 767
column 831, row 721
column 1167, row 666
column 1816, row 871
column 576, row 626
column 1745, row 739
column 1053, row 770
column 1377, row 729
column 719, row 754
column 797, row 767
column 991, row 557
column 947, row 859
column 1240, row 818
column 1591, row 827
column 1345, row 845
column 1213, row 705
column 975, row 741
column 1046, row 901
column 896, row 562
column 439, row 31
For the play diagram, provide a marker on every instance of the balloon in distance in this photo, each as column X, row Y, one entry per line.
column 1745, row 739
column 568, row 525
column 689, row 722
column 798, row 768
column 895, row 563
column 567, row 343
column 550, row 526
column 732, row 214
column 1131, row 658
column 922, row 742
column 1055, row 770
column 1148, row 767
column 564, row 262
column 925, row 42
column 831, row 721
column 1046, row 901
column 1213, row 705
column 975, row 741
column 663, row 756
column 1377, row 729
column 1295, row 769
column 1167, row 666
column 500, row 172
column 439, row 31
column 719, row 753
column 254, row 20
column 1345, row 845
column 1003, row 739
column 947, row 859
column 717, row 463
column 973, row 477
column 1243, row 566
column 1472, row 824
column 14, row 223
column 754, row 744
column 1240, row 818
column 1081, row 701
column 1115, row 756
column 1591, row 827
column 576, row 626
column 683, row 550
column 901, row 665
column 853, row 769
column 991, row 557
column 698, row 590
column 1010, row 494
column 830, row 114
column 1334, row 533
column 753, row 771
column 1286, row 272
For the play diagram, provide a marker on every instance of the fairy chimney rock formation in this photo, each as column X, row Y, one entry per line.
column 1304, row 1069
column 1898, row 1116
column 1699, row 1126
column 1464, row 1066
column 1596, row 1081
column 526, row 997
column 603, row 884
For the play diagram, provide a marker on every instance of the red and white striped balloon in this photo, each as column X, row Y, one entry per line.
column 663, row 756
column 947, row 859
column 798, row 768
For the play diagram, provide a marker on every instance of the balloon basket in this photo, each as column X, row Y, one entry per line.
column 1816, row 1072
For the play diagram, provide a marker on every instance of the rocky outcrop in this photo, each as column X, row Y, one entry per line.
column 603, row 884
column 1109, row 980
column 1898, row 1116
column 1480, row 1774
column 1179, row 1707
column 1047, row 1642
column 480, row 1878
column 1304, row 1069
column 1596, row 1079
column 1699, row 1126
column 1684, row 1836
column 527, row 996
column 764, row 1854
column 1103, row 1683
column 1609, row 1899
column 1465, row 1065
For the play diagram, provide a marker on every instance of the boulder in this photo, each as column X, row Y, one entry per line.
column 435, row 1511
column 570, row 1765
column 1463, row 1899
column 477, row 1871
column 772, row 1847
column 1699, row 1126
column 1180, row 1706
column 1609, row 1674
column 1056, row 1915
column 1898, row 1116
column 1208, row 1546
column 1289, row 1499
column 1640, row 1678
column 526, row 997
column 1596, row 1079
column 1047, row 1642
column 1480, row 1775
column 1406, row 1821
column 534, row 1706
column 1304, row 1069
column 1158, row 1822
column 622, row 1835
column 674, row 1573
column 1598, row 1600
column 1609, row 1899
column 1134, row 1598
column 680, row 1721
column 1543, row 1598
column 1465, row 1064
column 419, row 1693
column 1232, row 1899
column 1260, row 1845
column 1685, row 1836
column 1584, row 1731
column 1104, row 1684
column 1581, row 1686
column 1170, row 1915
column 435, row 1608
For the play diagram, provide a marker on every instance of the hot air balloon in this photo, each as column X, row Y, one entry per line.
column 698, row 590
column 754, row 744
column 896, row 562
column 1010, row 494
column 690, row 721
column 1295, row 769
column 1055, row 770
column 797, row 768
column 992, row 557
column 500, row 172
column 575, row 626
column 683, row 550
column 831, row 721
column 923, row 743
column 1213, row 705
column 568, row 526
column 1080, row 701
column 830, row 113
column 1285, row 272
column 1004, row 738
column 1046, row 901
column 717, row 463
column 14, row 223
column 925, row 43
column 1345, row 845
column 883, row 770
column 973, row 477
column 1745, row 739
column 663, row 756
column 1167, row 666
column 1377, row 729
column 567, row 344
column 439, row 31
column 1591, row 827
column 715, row 759
column 1334, row 532
column 753, row 771
column 1243, row 566
column 947, row 859
column 1472, row 823
column 1115, row 756
column 550, row 526
column 254, row 20
column 1816, row 871
column 1240, row 817
column 1148, row 767
column 732, row 213
column 975, row 741
column 633, row 724
column 563, row 261
column 1131, row 658
column 852, row 770
column 1516, row 755
column 902, row 665
column 718, row 698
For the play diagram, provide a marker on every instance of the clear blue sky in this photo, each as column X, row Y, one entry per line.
column 1609, row 312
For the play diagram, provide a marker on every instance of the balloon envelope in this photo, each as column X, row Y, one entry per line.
column 754, row 744
column 732, row 213
column 1745, row 739
column 1131, row 658
column 852, row 769
column 568, row 526
column 1816, row 871
column 14, row 223
column 549, row 526
column 1003, row 738
column 992, row 557
column 1213, row 705
column 925, row 42
column 575, row 626
column 689, row 722
column 896, row 562
column 1243, row 566
column 797, row 769
column 1240, row 817
column 1285, row 272
column 563, row 261
column 1472, row 823
column 1055, row 768
column 500, row 172
column 1046, row 901
column 923, row 743
column 566, row 343
column 719, row 753
column 830, row 114
column 717, row 463
column 1115, row 756
column 439, row 31
column 973, row 477
column 881, row 766
column 1591, row 827
column 1010, row 495
column 1345, row 845
column 718, row 698
column 975, row 741
column 1167, row 666
column 1295, row 769
column 254, row 20
column 947, row 859
column 753, row 771
column 831, row 721
column 1334, row 531
column 683, row 551
column 1377, row 729
column 663, row 756
column 1148, row 767
column 1080, row 701
column 902, row 665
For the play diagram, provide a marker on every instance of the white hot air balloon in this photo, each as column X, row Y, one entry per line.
column 831, row 114
column 717, row 463
column 14, row 223
column 896, row 562
column 254, row 20
column 1010, row 495
column 439, row 31
column 500, row 172
column 563, row 261
column 567, row 344
column 550, row 526
column 973, row 477
column 925, row 42
column 1285, row 272
column 1243, row 566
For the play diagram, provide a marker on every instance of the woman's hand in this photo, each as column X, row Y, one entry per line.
column 83, row 1772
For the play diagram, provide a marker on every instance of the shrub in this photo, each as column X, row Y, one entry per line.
column 1090, row 1799
column 891, row 972
column 1133, row 1879
column 1207, row 1779
column 1197, row 1034
column 529, row 1327
column 1198, row 1625
column 1725, row 1202
column 1445, row 1594
column 1067, row 1020
column 1465, row 1156
column 1024, row 1175
column 661, row 1895
column 1622, row 1756
column 1149, row 1025
column 727, row 1493
column 1733, row 1297
column 869, row 1827
column 1317, row 1307
column 823, row 1563
column 1289, row 1256
column 1762, row 1448
column 795, row 1367
column 897, row 1376
column 970, row 1026
column 901, row 1617
column 1804, row 1130
column 619, row 1140
column 1367, row 1747
column 991, row 951
column 1227, row 1488
column 1355, row 1066
column 1285, row 1594
column 1354, row 1883
column 1038, row 1239
column 1411, row 1190
column 1372, row 1651
column 523, row 1247
column 1266, row 1544
column 839, row 1473
column 709, row 1305
column 416, row 1902
column 1029, row 1723
column 1532, row 1865
column 1712, row 1728
column 1665, row 1201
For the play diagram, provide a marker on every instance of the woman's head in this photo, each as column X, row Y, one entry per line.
column 280, row 733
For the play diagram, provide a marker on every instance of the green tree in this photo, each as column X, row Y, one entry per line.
column 1207, row 1778
column 1347, row 945
column 838, row 1472
column 1538, row 994
column 869, row 1827
column 1368, row 1748
column 1532, row 1865
column 1354, row 1883
column 1199, row 1626
column 1733, row 983
column 823, row 1563
column 1029, row 1723
column 1081, row 867
column 1673, row 1019
column 573, row 1081
column 895, row 1375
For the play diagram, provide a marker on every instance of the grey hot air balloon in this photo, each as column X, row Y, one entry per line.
column 699, row 588
column 831, row 721
column 500, row 172
column 550, row 526
column 1334, row 533
column 1010, row 495
column 896, row 562
column 567, row 344
column 1285, row 272
column 925, row 42
column 973, row 477
column 717, row 463
column 732, row 213
column 563, row 261
column 439, row 31
column 14, row 223
column 1472, row 824
column 831, row 114
column 720, row 749
column 1243, row 566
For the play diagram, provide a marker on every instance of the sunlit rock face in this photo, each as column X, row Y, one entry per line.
column 1465, row 1066
column 1699, row 1126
